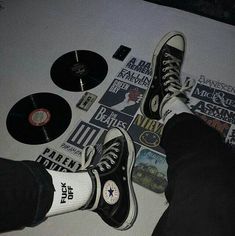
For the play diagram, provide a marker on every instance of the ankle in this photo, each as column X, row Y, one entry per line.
column 172, row 107
column 93, row 201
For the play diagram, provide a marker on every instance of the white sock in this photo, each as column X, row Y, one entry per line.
column 72, row 191
column 173, row 107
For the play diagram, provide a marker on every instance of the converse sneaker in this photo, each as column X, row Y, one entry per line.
column 113, row 196
column 166, row 65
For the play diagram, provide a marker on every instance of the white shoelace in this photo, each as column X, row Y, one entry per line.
column 109, row 154
column 172, row 79
column 173, row 69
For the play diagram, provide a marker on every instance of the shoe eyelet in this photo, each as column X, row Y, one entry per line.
column 163, row 70
column 166, row 54
column 124, row 178
column 164, row 62
column 123, row 167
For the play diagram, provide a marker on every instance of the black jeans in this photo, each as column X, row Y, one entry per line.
column 201, row 189
column 26, row 194
column 201, row 176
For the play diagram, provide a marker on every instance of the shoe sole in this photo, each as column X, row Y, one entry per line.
column 155, row 54
column 133, row 202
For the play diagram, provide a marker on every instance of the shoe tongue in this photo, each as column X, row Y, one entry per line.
column 176, row 42
column 108, row 143
column 112, row 134
column 174, row 52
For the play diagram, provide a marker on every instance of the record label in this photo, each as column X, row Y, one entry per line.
column 39, row 118
column 79, row 70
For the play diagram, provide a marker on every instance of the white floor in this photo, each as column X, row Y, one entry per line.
column 35, row 33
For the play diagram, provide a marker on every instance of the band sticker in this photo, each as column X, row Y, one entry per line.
column 220, row 126
column 84, row 134
column 150, row 170
column 108, row 118
column 214, row 96
column 86, row 101
column 214, row 111
column 54, row 160
column 122, row 96
column 146, row 132
column 137, row 72
column 214, row 102
column 216, row 84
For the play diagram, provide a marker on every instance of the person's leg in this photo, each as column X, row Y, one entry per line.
column 201, row 180
column 72, row 190
column 26, row 194
column 106, row 188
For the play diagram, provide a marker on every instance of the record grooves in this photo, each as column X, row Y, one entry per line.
column 79, row 70
column 39, row 118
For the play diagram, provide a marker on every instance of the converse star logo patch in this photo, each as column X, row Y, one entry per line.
column 111, row 192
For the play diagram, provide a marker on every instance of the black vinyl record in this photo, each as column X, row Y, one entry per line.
column 79, row 70
column 39, row 118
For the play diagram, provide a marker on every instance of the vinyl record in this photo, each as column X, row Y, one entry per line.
column 39, row 118
column 79, row 70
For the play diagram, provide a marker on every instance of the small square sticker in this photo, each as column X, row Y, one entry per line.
column 121, row 53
